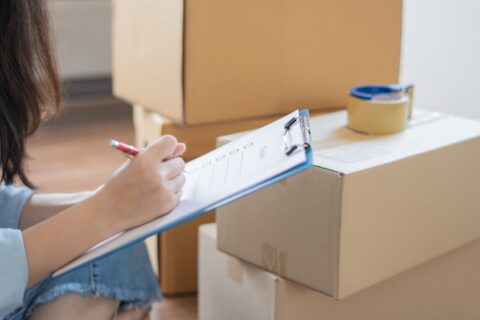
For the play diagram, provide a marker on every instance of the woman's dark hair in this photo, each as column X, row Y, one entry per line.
column 29, row 83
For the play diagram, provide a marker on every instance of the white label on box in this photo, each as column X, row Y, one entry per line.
column 351, row 153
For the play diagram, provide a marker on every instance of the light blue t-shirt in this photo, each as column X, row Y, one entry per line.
column 13, row 259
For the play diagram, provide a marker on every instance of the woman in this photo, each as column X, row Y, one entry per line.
column 39, row 233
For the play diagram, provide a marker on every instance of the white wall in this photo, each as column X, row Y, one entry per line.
column 83, row 35
column 441, row 54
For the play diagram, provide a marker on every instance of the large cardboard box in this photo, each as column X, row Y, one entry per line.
column 205, row 61
column 178, row 257
column 445, row 288
column 369, row 208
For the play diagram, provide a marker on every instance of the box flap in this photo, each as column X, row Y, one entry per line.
column 346, row 151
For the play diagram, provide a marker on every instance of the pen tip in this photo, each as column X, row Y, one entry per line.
column 113, row 143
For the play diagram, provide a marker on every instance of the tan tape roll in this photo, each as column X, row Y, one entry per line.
column 385, row 114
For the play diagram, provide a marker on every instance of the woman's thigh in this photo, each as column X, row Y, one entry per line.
column 75, row 307
column 125, row 276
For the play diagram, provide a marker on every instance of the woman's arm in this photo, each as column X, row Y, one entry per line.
column 43, row 206
column 60, row 239
column 148, row 187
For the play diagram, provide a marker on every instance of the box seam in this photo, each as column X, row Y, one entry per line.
column 336, row 249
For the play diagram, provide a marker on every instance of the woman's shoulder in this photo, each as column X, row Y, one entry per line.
column 11, row 193
column 12, row 200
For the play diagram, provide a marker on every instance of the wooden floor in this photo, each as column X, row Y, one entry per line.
column 72, row 154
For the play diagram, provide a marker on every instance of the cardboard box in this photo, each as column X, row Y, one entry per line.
column 208, row 61
column 445, row 288
column 178, row 257
column 369, row 208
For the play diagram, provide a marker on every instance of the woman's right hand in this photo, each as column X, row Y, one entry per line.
column 148, row 186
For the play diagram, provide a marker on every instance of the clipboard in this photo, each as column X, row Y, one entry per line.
column 252, row 162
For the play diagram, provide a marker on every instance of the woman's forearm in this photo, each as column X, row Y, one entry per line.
column 41, row 207
column 55, row 242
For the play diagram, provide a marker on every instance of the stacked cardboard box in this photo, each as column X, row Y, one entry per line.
column 213, row 67
column 445, row 288
column 369, row 208
column 338, row 240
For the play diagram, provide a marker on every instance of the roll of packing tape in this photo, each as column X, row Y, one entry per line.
column 407, row 90
column 379, row 109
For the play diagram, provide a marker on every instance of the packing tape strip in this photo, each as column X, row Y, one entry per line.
column 273, row 259
column 379, row 109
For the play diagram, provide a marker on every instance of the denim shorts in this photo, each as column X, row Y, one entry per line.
column 126, row 276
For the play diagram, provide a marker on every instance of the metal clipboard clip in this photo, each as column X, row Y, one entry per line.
column 289, row 146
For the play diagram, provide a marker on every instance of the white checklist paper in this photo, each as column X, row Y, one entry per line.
column 218, row 177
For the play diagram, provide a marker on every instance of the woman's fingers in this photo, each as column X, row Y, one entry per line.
column 172, row 168
column 177, row 183
column 180, row 149
column 178, row 195
column 163, row 148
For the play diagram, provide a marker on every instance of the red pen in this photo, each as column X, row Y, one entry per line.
column 128, row 150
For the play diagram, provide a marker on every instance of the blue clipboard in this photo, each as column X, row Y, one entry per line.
column 301, row 121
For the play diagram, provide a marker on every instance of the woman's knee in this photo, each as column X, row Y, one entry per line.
column 74, row 306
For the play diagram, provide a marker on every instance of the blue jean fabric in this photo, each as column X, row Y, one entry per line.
column 126, row 276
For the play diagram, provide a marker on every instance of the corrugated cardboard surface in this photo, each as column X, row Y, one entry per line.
column 178, row 256
column 251, row 58
column 422, row 207
column 293, row 234
column 388, row 211
column 147, row 53
column 445, row 288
